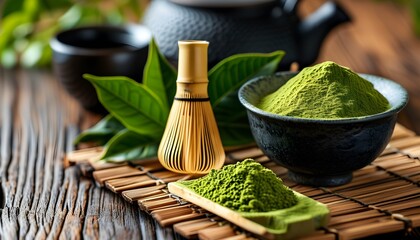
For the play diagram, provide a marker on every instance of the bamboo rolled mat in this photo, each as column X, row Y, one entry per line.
column 383, row 197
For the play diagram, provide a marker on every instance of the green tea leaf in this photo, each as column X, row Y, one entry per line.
column 133, row 104
column 103, row 131
column 232, row 122
column 225, row 79
column 229, row 74
column 235, row 134
column 128, row 145
column 159, row 75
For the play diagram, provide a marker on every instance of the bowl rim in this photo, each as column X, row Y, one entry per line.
column 142, row 37
column 391, row 111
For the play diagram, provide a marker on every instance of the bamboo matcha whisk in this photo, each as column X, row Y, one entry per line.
column 191, row 142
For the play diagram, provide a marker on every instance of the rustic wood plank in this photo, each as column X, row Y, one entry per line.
column 43, row 199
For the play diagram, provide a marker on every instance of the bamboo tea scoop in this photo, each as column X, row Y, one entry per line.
column 191, row 142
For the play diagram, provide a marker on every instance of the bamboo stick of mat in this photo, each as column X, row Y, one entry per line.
column 189, row 229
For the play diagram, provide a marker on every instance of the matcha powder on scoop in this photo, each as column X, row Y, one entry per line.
column 246, row 186
column 325, row 91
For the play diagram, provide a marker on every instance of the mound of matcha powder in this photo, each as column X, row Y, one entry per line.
column 325, row 91
column 246, row 186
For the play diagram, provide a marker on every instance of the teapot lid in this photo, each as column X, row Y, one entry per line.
column 222, row 3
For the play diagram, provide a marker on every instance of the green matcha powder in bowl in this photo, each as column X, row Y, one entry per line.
column 325, row 91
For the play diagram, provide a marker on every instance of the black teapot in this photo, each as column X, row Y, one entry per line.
column 240, row 26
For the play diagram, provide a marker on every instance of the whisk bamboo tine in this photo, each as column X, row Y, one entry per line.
column 191, row 142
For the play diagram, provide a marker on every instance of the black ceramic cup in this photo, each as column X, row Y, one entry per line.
column 101, row 51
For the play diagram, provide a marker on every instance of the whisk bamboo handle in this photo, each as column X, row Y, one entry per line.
column 192, row 62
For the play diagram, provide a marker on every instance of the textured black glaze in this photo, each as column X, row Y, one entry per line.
column 262, row 28
column 321, row 152
column 98, row 50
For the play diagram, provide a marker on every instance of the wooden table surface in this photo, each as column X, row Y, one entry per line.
column 38, row 122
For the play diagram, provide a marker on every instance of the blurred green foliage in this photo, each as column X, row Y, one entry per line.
column 26, row 26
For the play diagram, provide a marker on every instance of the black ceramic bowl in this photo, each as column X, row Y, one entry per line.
column 98, row 50
column 320, row 152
